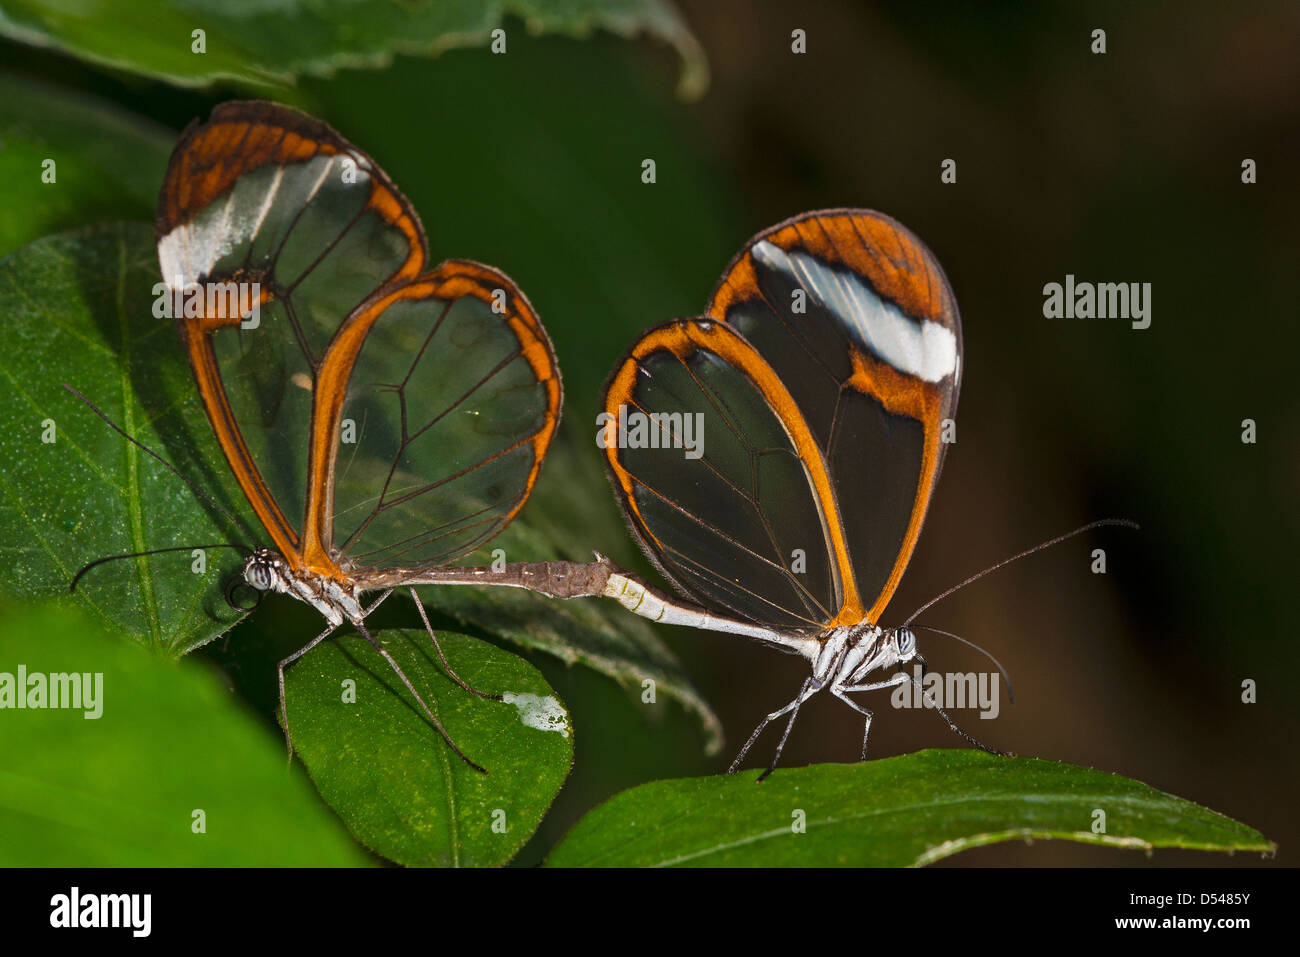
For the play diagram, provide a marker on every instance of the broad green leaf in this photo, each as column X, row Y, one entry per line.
column 895, row 812
column 108, row 163
column 78, row 310
column 388, row 773
column 170, row 750
column 271, row 41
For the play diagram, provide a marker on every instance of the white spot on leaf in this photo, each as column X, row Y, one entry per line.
column 544, row 714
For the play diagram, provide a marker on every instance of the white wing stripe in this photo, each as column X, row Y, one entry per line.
column 924, row 349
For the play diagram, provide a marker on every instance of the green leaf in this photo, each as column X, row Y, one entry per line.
column 107, row 162
column 895, row 812
column 270, row 41
column 121, row 790
column 388, row 773
column 78, row 310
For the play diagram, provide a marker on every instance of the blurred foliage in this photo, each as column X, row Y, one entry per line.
column 199, row 42
column 108, row 162
column 171, row 773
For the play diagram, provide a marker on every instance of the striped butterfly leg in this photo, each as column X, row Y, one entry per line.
column 284, row 707
column 842, row 693
column 446, row 665
column 285, row 663
column 809, row 688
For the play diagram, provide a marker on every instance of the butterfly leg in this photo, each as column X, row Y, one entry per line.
column 809, row 688
column 284, row 707
column 759, row 730
column 446, row 665
column 365, row 632
column 842, row 693
column 866, row 727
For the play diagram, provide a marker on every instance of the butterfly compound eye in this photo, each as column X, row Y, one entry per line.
column 258, row 572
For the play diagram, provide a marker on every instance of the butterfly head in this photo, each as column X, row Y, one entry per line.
column 899, row 649
column 266, row 571
column 904, row 640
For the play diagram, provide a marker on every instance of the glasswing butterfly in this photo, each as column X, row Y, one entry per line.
column 383, row 416
column 821, row 377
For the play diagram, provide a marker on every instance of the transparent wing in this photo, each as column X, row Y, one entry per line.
column 452, row 397
column 856, row 317
column 265, row 207
column 722, row 480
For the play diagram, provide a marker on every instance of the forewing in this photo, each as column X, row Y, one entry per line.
column 264, row 205
column 856, row 317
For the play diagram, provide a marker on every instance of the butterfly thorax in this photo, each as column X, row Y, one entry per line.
column 850, row 653
column 336, row 600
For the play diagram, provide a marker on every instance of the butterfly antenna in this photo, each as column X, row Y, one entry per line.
column 199, row 493
column 1124, row 522
column 1011, row 693
column 153, row 551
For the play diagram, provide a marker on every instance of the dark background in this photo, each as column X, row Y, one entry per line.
column 1122, row 167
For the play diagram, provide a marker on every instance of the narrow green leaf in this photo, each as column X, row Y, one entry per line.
column 270, row 41
column 388, row 773
column 107, row 163
column 895, row 812
column 170, row 751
